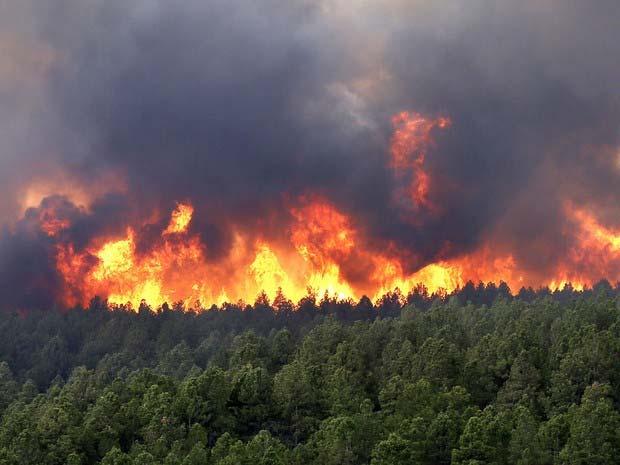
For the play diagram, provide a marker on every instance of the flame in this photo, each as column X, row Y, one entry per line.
column 166, row 274
column 181, row 218
column 323, row 250
column 594, row 252
column 53, row 226
column 436, row 277
column 321, row 232
column 595, row 236
column 324, row 237
column 115, row 258
column 321, row 239
column 409, row 146
column 267, row 271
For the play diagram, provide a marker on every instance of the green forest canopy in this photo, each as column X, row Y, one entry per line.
column 479, row 377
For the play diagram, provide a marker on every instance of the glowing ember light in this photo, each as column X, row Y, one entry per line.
column 323, row 249
column 409, row 146
column 596, row 235
column 594, row 251
column 321, row 233
column 53, row 226
column 268, row 272
column 59, row 183
column 181, row 218
column 115, row 258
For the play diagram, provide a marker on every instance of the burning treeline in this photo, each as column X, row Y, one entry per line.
column 161, row 255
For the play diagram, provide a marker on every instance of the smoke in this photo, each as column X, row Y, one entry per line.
column 244, row 107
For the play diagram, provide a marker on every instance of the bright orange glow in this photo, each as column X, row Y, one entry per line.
column 50, row 220
column 595, row 235
column 322, row 249
column 57, row 182
column 115, row 258
column 321, row 233
column 181, row 218
column 268, row 272
column 53, row 226
column 410, row 143
column 595, row 252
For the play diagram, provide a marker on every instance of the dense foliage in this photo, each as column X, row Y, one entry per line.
column 478, row 377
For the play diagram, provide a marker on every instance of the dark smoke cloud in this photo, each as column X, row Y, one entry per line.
column 243, row 106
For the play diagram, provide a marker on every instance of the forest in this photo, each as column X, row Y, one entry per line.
column 479, row 376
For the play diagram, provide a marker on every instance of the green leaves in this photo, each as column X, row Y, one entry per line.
column 594, row 430
column 510, row 384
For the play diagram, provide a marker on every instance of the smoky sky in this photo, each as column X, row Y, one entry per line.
column 243, row 107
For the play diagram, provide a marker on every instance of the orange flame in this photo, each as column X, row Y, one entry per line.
column 181, row 218
column 323, row 250
column 409, row 146
column 322, row 247
column 595, row 251
column 53, row 226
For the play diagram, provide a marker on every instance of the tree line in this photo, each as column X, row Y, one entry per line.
column 476, row 377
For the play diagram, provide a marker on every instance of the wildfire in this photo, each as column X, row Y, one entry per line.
column 58, row 183
column 321, row 241
column 321, row 251
column 53, row 226
column 50, row 217
column 181, row 218
column 268, row 272
column 594, row 235
column 323, row 248
column 595, row 253
column 321, row 233
column 410, row 143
